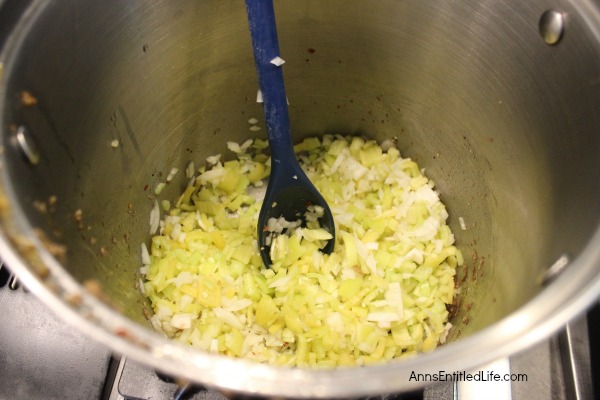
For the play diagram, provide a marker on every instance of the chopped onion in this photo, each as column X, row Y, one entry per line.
column 154, row 218
column 280, row 282
column 190, row 170
column 184, row 277
column 445, row 334
column 235, row 147
column 156, row 322
column 181, row 321
column 141, row 286
column 228, row 317
column 380, row 295
column 172, row 174
column 145, row 255
column 213, row 160
column 383, row 317
column 387, row 144
column 236, row 305
column 277, row 61
column 244, row 146
column 159, row 188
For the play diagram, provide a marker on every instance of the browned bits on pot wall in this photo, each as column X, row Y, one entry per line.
column 59, row 251
column 27, row 249
column 27, row 99
column 4, row 204
column 94, row 287
column 40, row 206
column 48, row 206
column 122, row 332
column 78, row 215
column 74, row 300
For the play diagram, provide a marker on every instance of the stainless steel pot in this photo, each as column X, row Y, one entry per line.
column 100, row 99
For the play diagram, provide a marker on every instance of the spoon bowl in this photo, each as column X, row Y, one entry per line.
column 289, row 191
column 289, row 194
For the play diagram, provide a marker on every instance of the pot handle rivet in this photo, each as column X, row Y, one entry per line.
column 551, row 26
column 27, row 145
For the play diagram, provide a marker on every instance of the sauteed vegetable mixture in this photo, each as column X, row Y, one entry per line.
column 381, row 295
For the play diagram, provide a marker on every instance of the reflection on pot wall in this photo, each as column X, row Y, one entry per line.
column 124, row 91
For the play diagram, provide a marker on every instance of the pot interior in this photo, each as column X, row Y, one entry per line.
column 505, row 124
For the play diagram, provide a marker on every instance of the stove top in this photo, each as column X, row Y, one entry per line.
column 43, row 358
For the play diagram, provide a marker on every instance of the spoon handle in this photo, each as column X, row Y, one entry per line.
column 263, row 30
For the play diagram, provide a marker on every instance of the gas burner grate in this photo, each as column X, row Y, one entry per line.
column 7, row 279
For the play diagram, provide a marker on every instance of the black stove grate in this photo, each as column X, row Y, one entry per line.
column 7, row 278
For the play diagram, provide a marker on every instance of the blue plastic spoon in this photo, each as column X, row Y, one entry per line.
column 289, row 191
